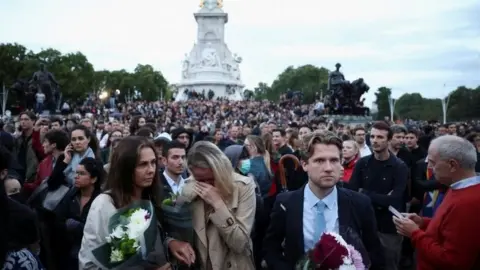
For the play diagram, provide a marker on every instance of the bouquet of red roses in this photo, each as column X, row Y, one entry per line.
column 331, row 252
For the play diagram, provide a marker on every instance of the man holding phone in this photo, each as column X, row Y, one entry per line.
column 451, row 239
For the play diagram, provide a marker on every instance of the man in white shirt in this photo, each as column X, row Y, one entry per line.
column 40, row 99
column 359, row 137
column 173, row 156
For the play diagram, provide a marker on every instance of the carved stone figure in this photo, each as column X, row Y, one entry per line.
column 209, row 57
column 237, row 58
column 185, row 67
column 236, row 72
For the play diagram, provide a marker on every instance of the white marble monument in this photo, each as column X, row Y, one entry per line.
column 210, row 65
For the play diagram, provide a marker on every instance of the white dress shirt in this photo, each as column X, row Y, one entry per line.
column 309, row 214
column 176, row 188
column 365, row 151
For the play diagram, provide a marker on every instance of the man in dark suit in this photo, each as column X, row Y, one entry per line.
column 173, row 158
column 299, row 217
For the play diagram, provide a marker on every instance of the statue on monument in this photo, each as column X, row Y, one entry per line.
column 335, row 78
column 44, row 80
column 237, row 58
column 344, row 96
column 211, row 4
column 185, row 67
column 209, row 56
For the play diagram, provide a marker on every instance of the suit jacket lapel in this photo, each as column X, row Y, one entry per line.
column 295, row 217
column 344, row 211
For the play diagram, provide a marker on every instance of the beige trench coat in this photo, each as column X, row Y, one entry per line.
column 227, row 235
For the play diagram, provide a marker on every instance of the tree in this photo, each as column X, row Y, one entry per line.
column 12, row 57
column 76, row 75
column 462, row 105
column 150, row 83
column 308, row 79
column 381, row 100
column 261, row 91
column 414, row 106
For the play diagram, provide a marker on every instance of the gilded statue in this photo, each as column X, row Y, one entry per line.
column 218, row 3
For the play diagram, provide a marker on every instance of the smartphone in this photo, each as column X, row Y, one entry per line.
column 395, row 212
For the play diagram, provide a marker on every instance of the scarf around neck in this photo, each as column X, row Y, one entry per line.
column 71, row 169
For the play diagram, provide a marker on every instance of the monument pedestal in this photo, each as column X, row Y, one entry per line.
column 210, row 64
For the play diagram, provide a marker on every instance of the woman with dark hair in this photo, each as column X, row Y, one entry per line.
column 18, row 227
column 136, row 123
column 80, row 147
column 88, row 180
column 133, row 176
column 64, row 174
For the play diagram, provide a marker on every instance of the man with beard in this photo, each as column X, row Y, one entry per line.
column 383, row 177
column 397, row 145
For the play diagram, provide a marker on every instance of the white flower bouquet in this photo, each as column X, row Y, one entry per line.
column 132, row 235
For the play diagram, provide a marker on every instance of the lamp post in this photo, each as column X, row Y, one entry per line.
column 445, row 101
column 128, row 96
column 4, row 99
column 391, row 104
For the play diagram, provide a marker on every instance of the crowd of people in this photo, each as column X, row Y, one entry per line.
column 254, row 174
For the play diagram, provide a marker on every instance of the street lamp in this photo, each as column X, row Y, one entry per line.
column 103, row 95
column 4, row 99
column 391, row 104
column 445, row 101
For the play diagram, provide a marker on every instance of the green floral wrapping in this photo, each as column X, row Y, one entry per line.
column 178, row 222
column 102, row 254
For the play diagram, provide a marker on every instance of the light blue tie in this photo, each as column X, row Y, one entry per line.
column 320, row 223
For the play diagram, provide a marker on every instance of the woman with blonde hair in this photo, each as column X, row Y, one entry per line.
column 223, row 207
column 351, row 154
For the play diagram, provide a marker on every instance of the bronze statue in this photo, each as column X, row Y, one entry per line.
column 335, row 78
column 43, row 81
column 344, row 94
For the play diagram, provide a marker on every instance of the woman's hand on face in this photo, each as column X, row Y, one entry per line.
column 209, row 194
column 68, row 153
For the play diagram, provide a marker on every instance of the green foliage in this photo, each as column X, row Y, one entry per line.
column 76, row 75
column 308, row 79
column 381, row 100
column 462, row 105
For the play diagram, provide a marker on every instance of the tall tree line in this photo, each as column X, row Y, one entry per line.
column 76, row 75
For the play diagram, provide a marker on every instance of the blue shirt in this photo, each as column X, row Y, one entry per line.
column 471, row 181
column 309, row 214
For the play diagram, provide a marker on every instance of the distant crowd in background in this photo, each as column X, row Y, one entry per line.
column 272, row 152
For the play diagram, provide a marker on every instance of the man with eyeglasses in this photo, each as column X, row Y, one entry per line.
column 359, row 137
